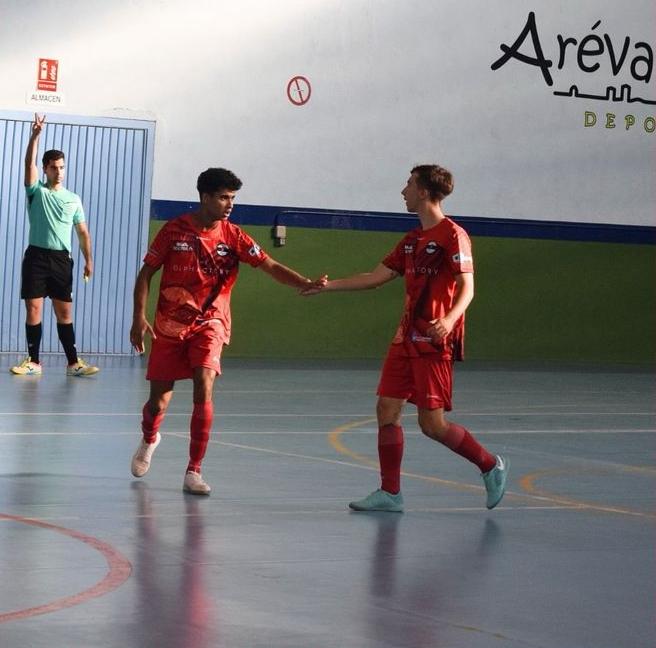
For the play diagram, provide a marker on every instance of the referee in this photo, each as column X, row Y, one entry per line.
column 47, row 269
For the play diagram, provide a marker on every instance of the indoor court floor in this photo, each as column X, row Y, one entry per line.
column 93, row 558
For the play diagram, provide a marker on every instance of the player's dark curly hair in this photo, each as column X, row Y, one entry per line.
column 435, row 179
column 213, row 180
column 51, row 156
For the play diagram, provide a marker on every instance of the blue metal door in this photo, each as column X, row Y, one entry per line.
column 109, row 164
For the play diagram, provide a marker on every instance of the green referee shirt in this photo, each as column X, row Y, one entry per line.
column 52, row 215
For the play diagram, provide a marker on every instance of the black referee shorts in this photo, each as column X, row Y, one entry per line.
column 47, row 273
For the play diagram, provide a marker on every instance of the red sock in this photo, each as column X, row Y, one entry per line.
column 458, row 439
column 390, row 453
column 150, row 424
column 201, row 422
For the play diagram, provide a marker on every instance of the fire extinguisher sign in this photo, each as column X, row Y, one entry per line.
column 46, row 78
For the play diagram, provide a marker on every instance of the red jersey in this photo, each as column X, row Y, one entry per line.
column 429, row 260
column 200, row 268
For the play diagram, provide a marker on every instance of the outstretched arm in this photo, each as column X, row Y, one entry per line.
column 31, row 169
column 380, row 275
column 140, row 325
column 284, row 275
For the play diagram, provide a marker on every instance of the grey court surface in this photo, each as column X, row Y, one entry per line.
column 91, row 557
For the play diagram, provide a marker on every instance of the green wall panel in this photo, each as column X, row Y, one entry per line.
column 563, row 300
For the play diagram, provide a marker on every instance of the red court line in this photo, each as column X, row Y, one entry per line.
column 119, row 571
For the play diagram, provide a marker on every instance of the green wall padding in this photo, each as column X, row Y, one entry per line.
column 535, row 300
column 563, row 300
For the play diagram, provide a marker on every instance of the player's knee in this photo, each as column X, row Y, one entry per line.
column 429, row 432
column 157, row 407
column 388, row 413
column 433, row 428
column 203, row 393
column 203, row 385
column 33, row 312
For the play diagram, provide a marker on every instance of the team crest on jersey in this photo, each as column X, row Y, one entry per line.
column 255, row 250
column 222, row 249
column 431, row 247
column 461, row 257
column 182, row 246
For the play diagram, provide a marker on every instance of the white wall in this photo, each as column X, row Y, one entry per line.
column 394, row 82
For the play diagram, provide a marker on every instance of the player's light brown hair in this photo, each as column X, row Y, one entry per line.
column 437, row 180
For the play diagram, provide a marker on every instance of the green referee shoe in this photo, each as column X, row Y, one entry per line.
column 379, row 500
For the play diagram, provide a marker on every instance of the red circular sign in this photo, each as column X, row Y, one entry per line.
column 299, row 90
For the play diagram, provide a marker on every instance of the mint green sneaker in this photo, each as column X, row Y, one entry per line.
column 495, row 482
column 379, row 500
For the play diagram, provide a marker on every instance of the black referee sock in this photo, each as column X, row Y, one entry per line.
column 33, row 335
column 67, row 338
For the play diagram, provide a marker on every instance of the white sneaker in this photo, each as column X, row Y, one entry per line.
column 143, row 455
column 194, row 483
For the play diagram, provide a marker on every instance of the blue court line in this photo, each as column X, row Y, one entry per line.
column 269, row 215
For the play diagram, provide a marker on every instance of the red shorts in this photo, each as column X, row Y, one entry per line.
column 425, row 381
column 176, row 359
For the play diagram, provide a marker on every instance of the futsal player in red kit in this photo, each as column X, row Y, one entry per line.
column 199, row 254
column 435, row 260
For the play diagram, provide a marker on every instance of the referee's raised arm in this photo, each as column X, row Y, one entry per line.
column 31, row 169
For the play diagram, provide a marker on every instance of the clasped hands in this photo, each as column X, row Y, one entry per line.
column 314, row 287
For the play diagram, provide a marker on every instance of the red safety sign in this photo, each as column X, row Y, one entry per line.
column 46, row 78
column 299, row 90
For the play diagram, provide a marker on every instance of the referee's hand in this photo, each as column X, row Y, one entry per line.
column 37, row 126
